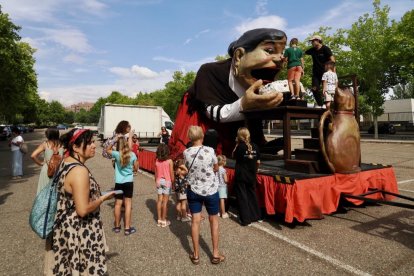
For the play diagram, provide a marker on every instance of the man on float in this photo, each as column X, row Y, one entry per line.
column 224, row 88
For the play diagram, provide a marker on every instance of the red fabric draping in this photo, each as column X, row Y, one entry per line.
column 308, row 198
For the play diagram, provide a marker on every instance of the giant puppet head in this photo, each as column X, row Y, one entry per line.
column 257, row 54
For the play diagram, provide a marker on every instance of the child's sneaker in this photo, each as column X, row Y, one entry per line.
column 179, row 218
column 225, row 215
column 187, row 219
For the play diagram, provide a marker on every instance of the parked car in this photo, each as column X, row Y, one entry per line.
column 79, row 126
column 383, row 128
column 5, row 132
column 61, row 127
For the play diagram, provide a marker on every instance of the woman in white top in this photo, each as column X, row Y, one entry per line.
column 17, row 155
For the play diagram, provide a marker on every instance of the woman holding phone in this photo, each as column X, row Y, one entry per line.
column 126, row 163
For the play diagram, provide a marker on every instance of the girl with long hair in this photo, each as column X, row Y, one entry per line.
column 125, row 164
column 247, row 157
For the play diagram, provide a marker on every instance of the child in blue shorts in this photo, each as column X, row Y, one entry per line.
column 221, row 176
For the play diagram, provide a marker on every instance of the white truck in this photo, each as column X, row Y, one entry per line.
column 145, row 120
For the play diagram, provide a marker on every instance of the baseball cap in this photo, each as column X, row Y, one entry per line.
column 315, row 37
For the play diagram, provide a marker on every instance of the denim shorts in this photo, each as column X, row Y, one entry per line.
column 196, row 201
column 164, row 187
column 222, row 190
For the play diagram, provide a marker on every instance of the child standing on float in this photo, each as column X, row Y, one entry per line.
column 125, row 164
column 164, row 176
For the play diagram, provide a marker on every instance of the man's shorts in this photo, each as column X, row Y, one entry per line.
column 164, row 187
column 196, row 201
column 127, row 188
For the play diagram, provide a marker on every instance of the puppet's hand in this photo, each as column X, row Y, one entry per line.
column 251, row 100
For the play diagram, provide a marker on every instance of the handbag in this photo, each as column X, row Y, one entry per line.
column 42, row 215
column 23, row 148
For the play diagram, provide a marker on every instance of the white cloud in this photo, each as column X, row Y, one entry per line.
column 135, row 71
column 188, row 40
column 71, row 38
column 68, row 95
column 270, row 21
column 185, row 65
column 72, row 58
column 261, row 7
column 44, row 95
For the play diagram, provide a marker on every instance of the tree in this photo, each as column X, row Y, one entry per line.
column 403, row 91
column 18, row 81
column 369, row 44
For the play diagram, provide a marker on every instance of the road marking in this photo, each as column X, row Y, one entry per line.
column 309, row 250
column 405, row 181
column 406, row 190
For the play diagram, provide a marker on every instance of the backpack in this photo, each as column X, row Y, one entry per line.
column 42, row 215
column 53, row 163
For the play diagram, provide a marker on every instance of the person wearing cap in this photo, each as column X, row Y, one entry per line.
column 320, row 55
column 224, row 88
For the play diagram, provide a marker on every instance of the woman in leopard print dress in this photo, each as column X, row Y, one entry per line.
column 78, row 235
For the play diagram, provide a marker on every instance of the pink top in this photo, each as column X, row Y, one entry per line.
column 163, row 171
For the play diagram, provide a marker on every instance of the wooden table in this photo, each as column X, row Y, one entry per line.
column 285, row 113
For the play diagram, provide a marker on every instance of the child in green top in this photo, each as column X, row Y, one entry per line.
column 295, row 65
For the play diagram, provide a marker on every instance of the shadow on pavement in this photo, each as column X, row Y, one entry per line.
column 182, row 230
column 395, row 227
column 4, row 197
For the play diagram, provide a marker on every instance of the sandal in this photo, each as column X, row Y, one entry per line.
column 194, row 260
column 116, row 229
column 129, row 231
column 165, row 223
column 218, row 260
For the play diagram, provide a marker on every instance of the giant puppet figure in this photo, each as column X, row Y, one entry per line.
column 222, row 89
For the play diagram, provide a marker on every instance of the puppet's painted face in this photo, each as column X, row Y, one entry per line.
column 264, row 62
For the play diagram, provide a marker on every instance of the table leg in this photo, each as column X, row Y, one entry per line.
column 286, row 136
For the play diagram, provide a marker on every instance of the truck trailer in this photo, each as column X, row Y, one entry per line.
column 145, row 120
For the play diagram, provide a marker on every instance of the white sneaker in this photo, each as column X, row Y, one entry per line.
column 225, row 215
column 187, row 219
column 179, row 218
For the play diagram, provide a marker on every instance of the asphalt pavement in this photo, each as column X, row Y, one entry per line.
column 368, row 240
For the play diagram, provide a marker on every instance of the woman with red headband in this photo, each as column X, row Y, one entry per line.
column 78, row 236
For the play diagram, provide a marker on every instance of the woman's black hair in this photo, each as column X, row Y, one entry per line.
column 52, row 134
column 85, row 138
column 15, row 129
column 121, row 127
column 250, row 39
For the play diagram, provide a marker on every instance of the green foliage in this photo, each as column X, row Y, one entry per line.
column 18, row 82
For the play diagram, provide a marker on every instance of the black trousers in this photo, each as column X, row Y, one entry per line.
column 249, row 210
column 316, row 89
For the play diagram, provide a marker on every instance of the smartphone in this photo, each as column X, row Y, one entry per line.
column 117, row 192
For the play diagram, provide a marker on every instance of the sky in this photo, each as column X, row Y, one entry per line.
column 88, row 48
